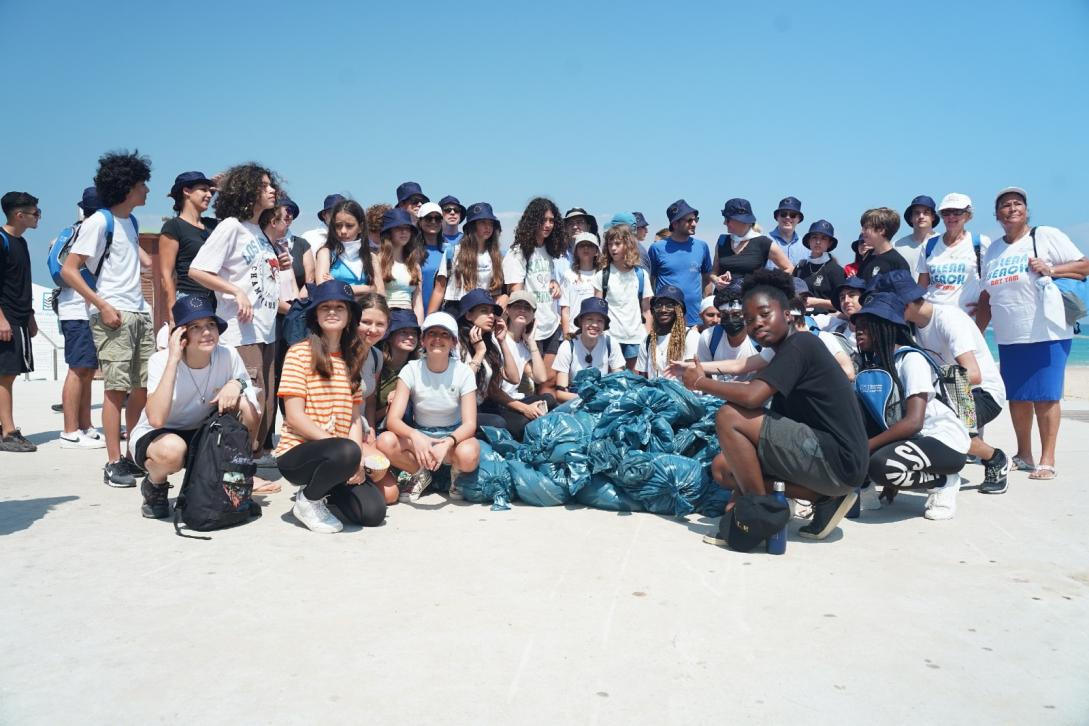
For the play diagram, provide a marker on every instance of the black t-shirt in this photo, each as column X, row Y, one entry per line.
column 15, row 290
column 823, row 278
column 752, row 257
column 876, row 264
column 812, row 389
column 190, row 239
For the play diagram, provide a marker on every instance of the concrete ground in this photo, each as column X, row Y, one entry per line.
column 452, row 613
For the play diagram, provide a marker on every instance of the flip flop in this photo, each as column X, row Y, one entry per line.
column 266, row 487
column 1044, row 472
column 1020, row 464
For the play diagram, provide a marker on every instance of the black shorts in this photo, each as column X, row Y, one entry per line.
column 16, row 355
column 139, row 454
column 987, row 409
column 551, row 344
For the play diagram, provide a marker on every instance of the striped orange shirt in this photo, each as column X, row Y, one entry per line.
column 328, row 401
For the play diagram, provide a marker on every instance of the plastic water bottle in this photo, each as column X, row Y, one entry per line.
column 856, row 509
column 777, row 543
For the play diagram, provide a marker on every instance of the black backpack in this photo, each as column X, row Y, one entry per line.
column 218, row 484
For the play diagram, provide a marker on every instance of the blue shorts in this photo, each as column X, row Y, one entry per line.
column 437, row 432
column 629, row 350
column 79, row 344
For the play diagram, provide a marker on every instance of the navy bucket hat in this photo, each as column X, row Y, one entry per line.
column 477, row 297
column 400, row 319
column 478, row 211
column 640, row 220
column 89, row 204
column 330, row 201
column 189, row 179
column 883, row 305
column 396, row 218
column 899, row 283
column 408, row 190
column 329, row 291
column 851, row 283
column 678, row 210
column 452, row 201
column 671, row 292
column 196, row 307
column 738, row 210
column 821, row 226
column 290, row 206
column 593, row 305
column 790, row 204
column 921, row 201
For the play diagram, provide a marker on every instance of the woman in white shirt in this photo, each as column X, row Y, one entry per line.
column 590, row 348
column 400, row 258
column 472, row 263
column 949, row 264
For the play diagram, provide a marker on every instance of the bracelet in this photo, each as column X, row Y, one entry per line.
column 241, row 384
column 696, row 382
column 451, row 437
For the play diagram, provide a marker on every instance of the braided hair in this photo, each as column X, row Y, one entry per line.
column 675, row 347
column 886, row 335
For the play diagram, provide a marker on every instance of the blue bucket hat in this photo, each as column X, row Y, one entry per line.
column 400, row 319
column 620, row 218
column 898, row 282
column 291, row 207
column 738, row 210
column 396, row 218
column 89, row 204
column 196, row 307
column 671, row 292
column 329, row 291
column 801, row 287
column 477, row 297
column 189, row 179
column 449, row 200
column 408, row 190
column 478, row 211
column 330, row 201
column 790, row 204
column 593, row 305
column 678, row 210
column 640, row 220
column 821, row 226
column 851, row 283
column 921, row 201
column 883, row 305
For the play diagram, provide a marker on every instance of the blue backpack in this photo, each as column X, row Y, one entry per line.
column 879, row 395
column 933, row 242
column 60, row 248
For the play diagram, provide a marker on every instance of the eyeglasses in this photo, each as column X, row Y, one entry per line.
column 954, row 212
column 789, row 215
column 416, row 201
column 431, row 218
column 662, row 305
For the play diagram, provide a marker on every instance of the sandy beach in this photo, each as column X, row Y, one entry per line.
column 1077, row 382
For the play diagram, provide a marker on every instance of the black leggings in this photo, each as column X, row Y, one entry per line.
column 322, row 468
column 490, row 414
column 913, row 462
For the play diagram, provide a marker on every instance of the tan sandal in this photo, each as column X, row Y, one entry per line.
column 1044, row 472
column 265, row 487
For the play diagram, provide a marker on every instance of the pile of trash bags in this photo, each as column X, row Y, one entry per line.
column 627, row 444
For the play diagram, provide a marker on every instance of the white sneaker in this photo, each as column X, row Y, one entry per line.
column 77, row 440
column 92, row 433
column 421, row 480
column 800, row 509
column 315, row 515
column 942, row 501
column 870, row 498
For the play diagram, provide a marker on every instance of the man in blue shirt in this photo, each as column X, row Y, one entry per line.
column 787, row 217
column 682, row 260
column 453, row 212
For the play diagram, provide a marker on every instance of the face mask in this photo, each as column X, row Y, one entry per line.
column 733, row 326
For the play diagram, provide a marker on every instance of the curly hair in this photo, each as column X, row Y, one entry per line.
column 675, row 348
column 776, row 284
column 630, row 254
column 412, row 255
column 239, row 188
column 373, row 217
column 465, row 262
column 525, row 234
column 118, row 172
column 336, row 247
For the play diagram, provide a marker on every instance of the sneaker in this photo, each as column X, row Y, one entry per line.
column 77, row 440
column 315, row 515
column 57, row 408
column 996, row 477
column 870, row 498
column 92, row 433
column 404, row 487
column 117, row 474
column 156, row 501
column 827, row 512
column 421, row 480
column 265, row 461
column 942, row 501
column 133, row 468
column 801, row 509
column 15, row 442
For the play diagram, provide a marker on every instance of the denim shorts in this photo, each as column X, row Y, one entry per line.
column 437, row 432
column 79, row 344
column 629, row 350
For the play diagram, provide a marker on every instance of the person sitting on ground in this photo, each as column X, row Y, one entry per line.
column 401, row 344
column 522, row 354
column 374, row 317
column 812, row 437
column 482, row 338
column 669, row 338
column 346, row 256
column 878, row 228
column 590, row 348
column 321, row 442
column 709, row 314
column 627, row 289
column 820, row 270
column 189, row 381
column 442, row 392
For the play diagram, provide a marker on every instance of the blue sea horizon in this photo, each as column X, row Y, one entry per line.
column 1079, row 349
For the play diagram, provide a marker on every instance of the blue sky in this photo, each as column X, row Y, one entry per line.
column 847, row 105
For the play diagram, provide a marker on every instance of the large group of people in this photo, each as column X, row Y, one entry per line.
column 418, row 329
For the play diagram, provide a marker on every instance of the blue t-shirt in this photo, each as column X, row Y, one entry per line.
column 682, row 264
column 431, row 266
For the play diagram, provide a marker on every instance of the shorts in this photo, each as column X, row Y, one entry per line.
column 139, row 454
column 987, row 409
column 437, row 432
column 630, row 350
column 791, row 451
column 16, row 355
column 123, row 352
column 79, row 344
column 551, row 344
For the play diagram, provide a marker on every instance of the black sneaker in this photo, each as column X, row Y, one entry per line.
column 996, row 474
column 17, row 443
column 57, row 407
column 156, row 502
column 133, row 468
column 117, row 475
column 827, row 512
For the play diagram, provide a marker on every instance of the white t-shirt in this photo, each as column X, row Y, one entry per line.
column 954, row 276
column 520, row 352
column 571, row 357
column 436, row 397
column 399, row 290
column 950, row 333
column 71, row 305
column 316, row 237
column 724, row 351
column 536, row 276
column 186, row 410
column 119, row 280
column 691, row 345
column 625, row 306
column 912, row 252
column 370, row 371
column 1021, row 311
column 576, row 288
column 939, row 421
column 240, row 253
column 453, row 286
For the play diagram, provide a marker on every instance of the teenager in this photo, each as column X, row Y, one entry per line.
column 481, row 339
column 922, row 216
column 591, row 347
column 442, row 392
column 626, row 288
column 17, row 323
column 523, row 356
column 322, row 442
column 239, row 263
column 534, row 264
column 373, row 227
column 788, row 215
column 878, row 228
column 820, row 271
column 731, row 342
column 316, row 237
column 183, row 236
column 471, row 264
column 812, row 437
column 929, row 444
column 578, row 280
column 453, row 213
column 410, row 198
column 346, row 256
column 432, row 242
column 399, row 262
column 862, row 249
column 400, row 345
column 121, row 321
column 682, row 261
column 193, row 378
column 374, row 321
column 669, row 338
column 950, row 264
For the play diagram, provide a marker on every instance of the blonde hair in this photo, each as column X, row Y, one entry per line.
column 675, row 349
column 621, row 232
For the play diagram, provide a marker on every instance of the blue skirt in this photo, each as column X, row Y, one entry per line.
column 1034, row 371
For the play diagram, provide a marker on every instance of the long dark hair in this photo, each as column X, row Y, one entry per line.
column 886, row 335
column 413, row 255
column 464, row 272
column 351, row 348
column 525, row 234
column 492, row 356
column 336, row 247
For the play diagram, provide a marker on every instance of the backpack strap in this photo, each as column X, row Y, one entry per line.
column 1032, row 234
column 931, row 244
column 977, row 243
column 605, row 281
column 639, row 276
column 716, row 337
column 935, row 369
column 109, row 241
column 7, row 241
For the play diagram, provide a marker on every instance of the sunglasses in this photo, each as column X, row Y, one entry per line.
column 953, row 212
column 451, row 210
column 789, row 215
column 589, row 359
column 36, row 213
column 431, row 218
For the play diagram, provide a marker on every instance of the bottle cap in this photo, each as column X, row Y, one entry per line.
column 778, row 486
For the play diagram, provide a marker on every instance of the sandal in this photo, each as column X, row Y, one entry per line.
column 1044, row 472
column 265, row 487
column 1020, row 464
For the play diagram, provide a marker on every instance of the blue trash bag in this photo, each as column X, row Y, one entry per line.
column 607, row 389
column 536, row 488
column 665, row 483
column 632, row 421
column 555, row 438
column 501, row 441
column 491, row 483
column 714, row 500
column 685, row 407
column 600, row 493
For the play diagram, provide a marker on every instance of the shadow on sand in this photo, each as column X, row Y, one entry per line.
column 18, row 514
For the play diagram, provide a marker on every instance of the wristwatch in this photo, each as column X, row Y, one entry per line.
column 243, row 384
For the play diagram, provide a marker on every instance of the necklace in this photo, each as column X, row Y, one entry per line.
column 208, row 380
